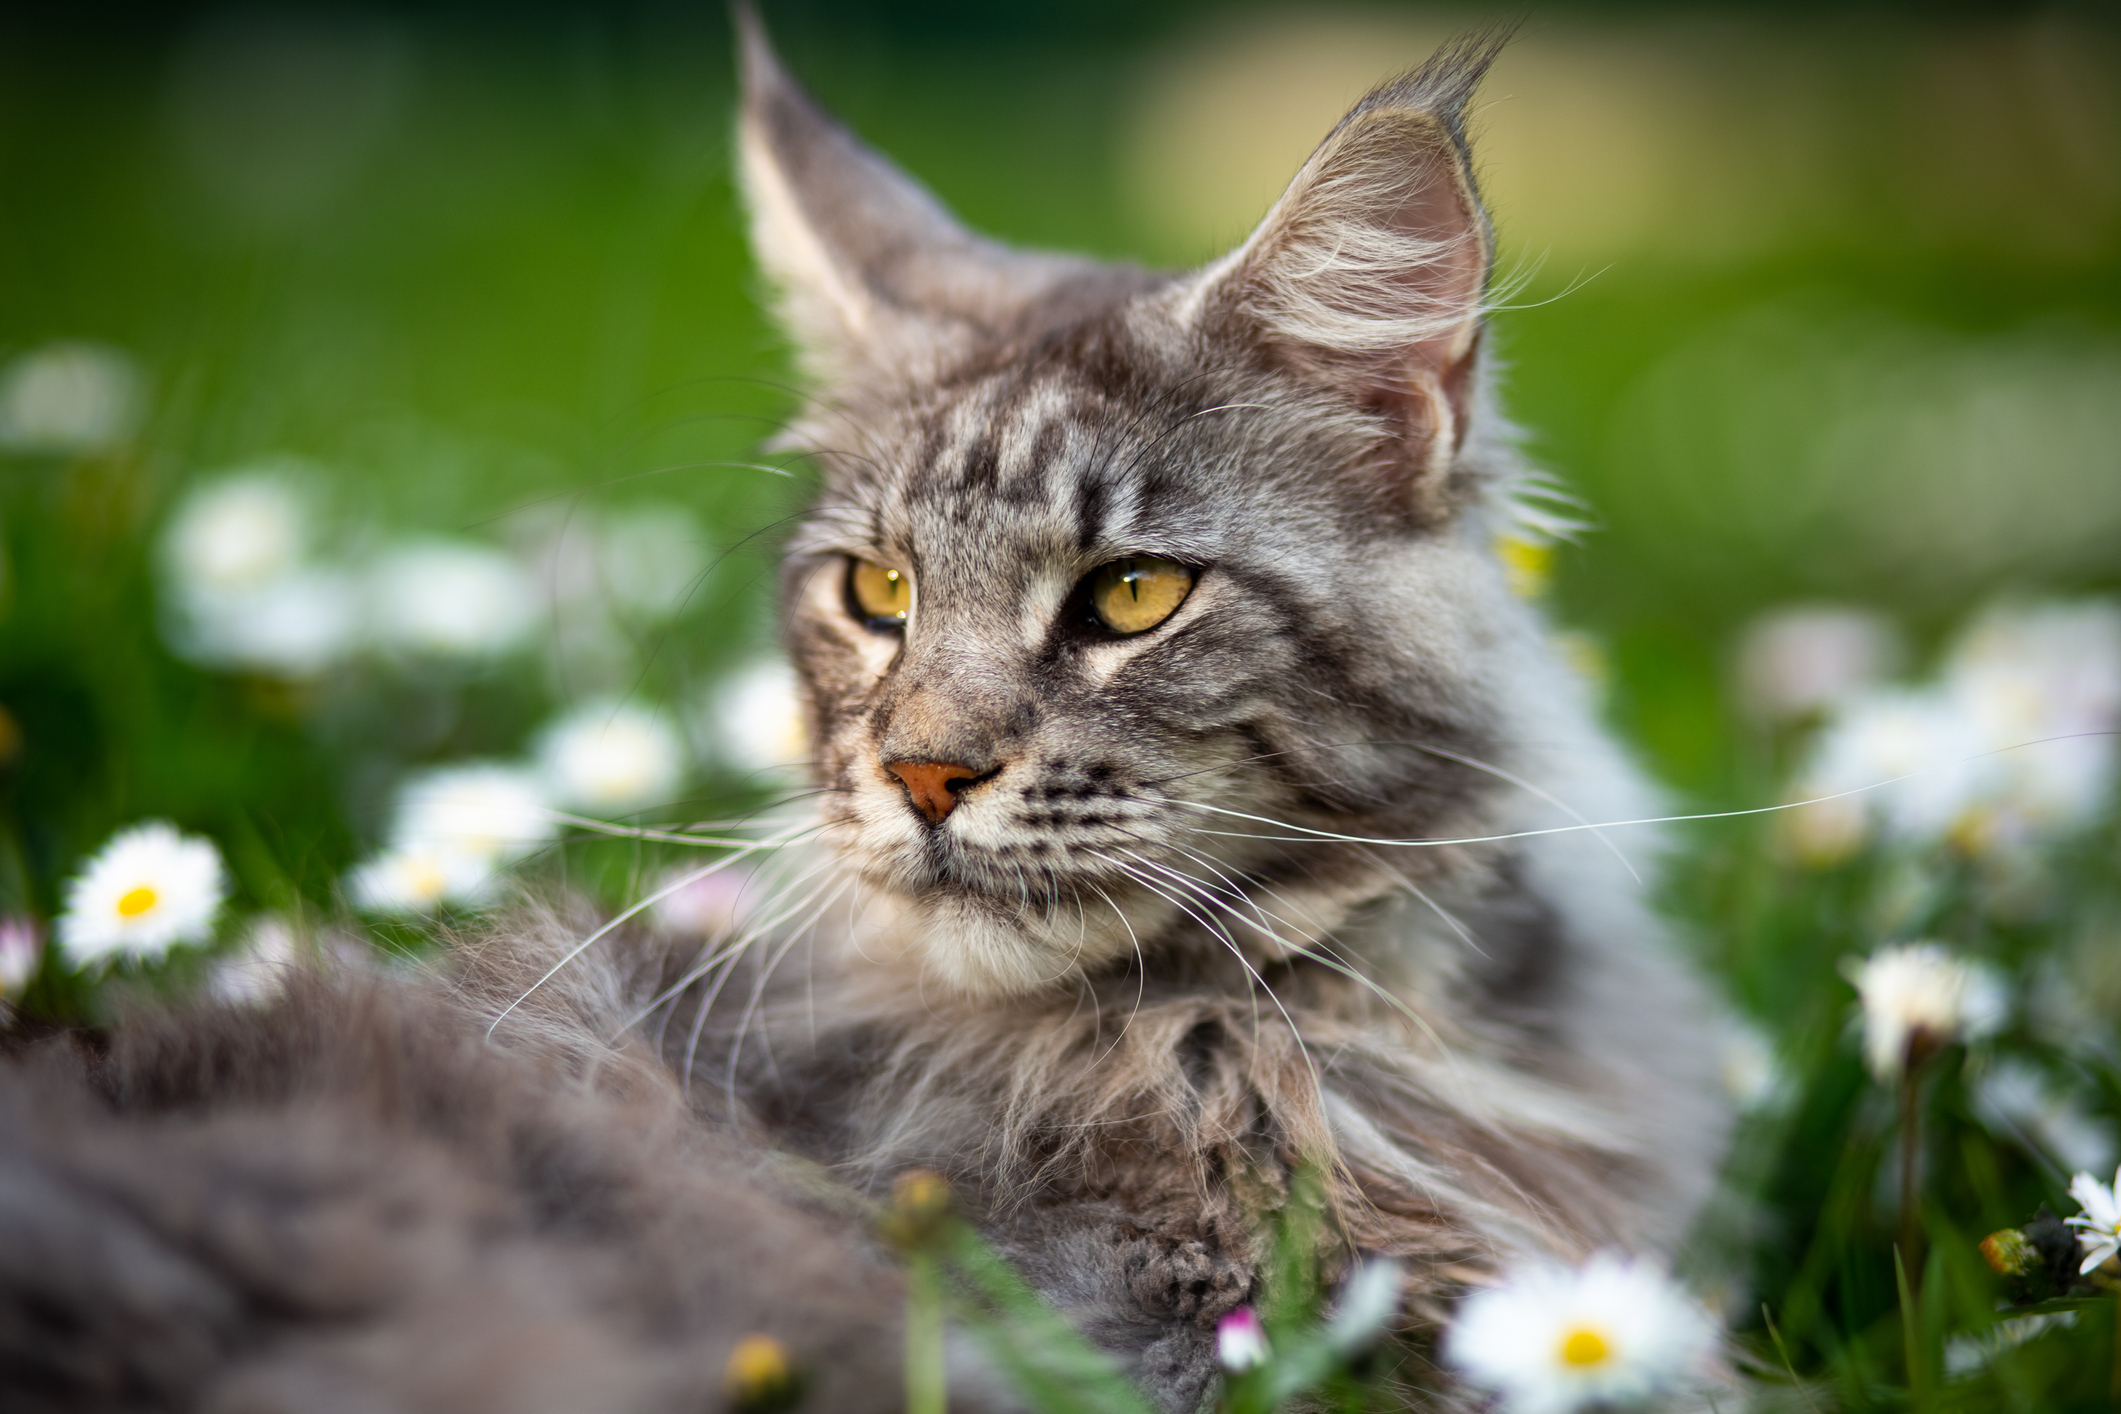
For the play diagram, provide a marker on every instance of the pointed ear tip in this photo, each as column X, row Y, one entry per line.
column 759, row 65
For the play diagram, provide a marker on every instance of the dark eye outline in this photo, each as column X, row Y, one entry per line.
column 891, row 624
column 1082, row 609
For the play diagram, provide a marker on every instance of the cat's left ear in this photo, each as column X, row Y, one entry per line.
column 1370, row 271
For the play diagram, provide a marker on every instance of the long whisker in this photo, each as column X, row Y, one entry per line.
column 727, row 951
column 1524, row 785
column 622, row 916
column 1315, row 952
column 683, row 836
column 1306, row 834
column 699, row 1021
column 1237, row 952
column 758, row 992
column 1141, row 972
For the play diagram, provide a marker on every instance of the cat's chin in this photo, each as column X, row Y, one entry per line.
column 983, row 950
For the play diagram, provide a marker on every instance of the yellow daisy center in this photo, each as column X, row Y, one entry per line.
column 1583, row 1347
column 426, row 880
column 137, row 901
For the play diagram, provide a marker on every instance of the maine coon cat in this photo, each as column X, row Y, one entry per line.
column 1196, row 804
column 1210, row 804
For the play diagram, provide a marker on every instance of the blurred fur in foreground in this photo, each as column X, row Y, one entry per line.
column 354, row 1201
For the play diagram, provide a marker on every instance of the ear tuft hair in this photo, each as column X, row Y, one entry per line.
column 1372, row 268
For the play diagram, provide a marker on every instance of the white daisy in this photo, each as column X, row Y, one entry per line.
column 2043, row 683
column 1551, row 1339
column 2099, row 1225
column 1241, row 1341
column 416, row 879
column 1916, row 757
column 240, row 532
column 479, row 810
column 453, row 598
column 1796, row 661
column 294, row 626
column 1918, row 998
column 149, row 889
column 609, row 757
column 1752, row 1073
column 69, row 398
column 755, row 721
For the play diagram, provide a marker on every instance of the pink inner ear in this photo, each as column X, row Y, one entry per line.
column 1424, row 384
column 1451, row 282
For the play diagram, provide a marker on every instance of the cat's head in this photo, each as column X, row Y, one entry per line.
column 1124, row 590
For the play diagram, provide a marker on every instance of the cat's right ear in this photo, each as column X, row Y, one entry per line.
column 873, row 275
column 1369, row 275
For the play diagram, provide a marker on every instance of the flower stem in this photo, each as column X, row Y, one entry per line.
column 924, row 1336
column 2113, row 1381
column 1918, row 1400
column 1910, row 1156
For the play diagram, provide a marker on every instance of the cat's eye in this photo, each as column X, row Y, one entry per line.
column 882, row 597
column 1135, row 595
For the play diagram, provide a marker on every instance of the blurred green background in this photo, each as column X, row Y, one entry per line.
column 1805, row 304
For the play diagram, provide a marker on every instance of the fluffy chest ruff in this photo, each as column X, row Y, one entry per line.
column 1126, row 1140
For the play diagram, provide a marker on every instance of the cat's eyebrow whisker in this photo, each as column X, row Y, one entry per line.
column 1155, row 407
column 1183, row 424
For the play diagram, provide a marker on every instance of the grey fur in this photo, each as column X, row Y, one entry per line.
column 352, row 1203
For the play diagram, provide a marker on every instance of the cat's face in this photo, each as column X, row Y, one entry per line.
column 1121, row 590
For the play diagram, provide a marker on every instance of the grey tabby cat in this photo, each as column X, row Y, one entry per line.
column 1197, row 805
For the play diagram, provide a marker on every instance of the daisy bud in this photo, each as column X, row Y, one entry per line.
column 1241, row 1341
column 1917, row 1000
column 758, row 1377
column 920, row 1203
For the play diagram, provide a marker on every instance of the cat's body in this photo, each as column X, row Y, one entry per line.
column 1103, row 924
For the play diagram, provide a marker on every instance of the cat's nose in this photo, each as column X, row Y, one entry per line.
column 928, row 785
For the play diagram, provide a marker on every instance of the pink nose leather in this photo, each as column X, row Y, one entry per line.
column 928, row 785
